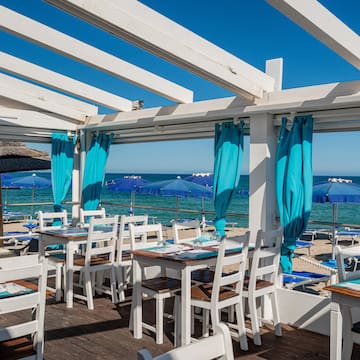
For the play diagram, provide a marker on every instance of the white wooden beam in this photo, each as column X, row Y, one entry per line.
column 58, row 81
column 44, row 99
column 45, row 36
column 26, row 119
column 274, row 68
column 147, row 29
column 323, row 25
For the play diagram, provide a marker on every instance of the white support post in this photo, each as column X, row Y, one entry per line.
column 83, row 148
column 262, row 203
column 76, row 185
column 274, row 68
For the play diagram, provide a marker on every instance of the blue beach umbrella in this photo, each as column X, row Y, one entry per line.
column 204, row 179
column 336, row 191
column 127, row 184
column 175, row 187
column 32, row 181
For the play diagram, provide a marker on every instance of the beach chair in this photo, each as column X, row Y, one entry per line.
column 55, row 253
column 226, row 290
column 123, row 255
column 99, row 257
column 263, row 278
column 158, row 288
column 24, row 340
column 218, row 346
column 86, row 215
column 342, row 255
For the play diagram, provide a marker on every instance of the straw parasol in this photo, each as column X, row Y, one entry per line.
column 16, row 156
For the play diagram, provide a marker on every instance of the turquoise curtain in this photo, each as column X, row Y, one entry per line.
column 94, row 172
column 294, row 183
column 62, row 161
column 229, row 148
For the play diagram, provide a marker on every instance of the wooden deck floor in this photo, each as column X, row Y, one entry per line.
column 103, row 333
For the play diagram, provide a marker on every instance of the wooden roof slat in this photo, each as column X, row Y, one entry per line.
column 66, row 45
column 17, row 66
column 147, row 29
column 323, row 25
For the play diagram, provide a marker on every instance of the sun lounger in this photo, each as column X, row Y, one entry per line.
column 15, row 215
column 21, row 242
column 302, row 278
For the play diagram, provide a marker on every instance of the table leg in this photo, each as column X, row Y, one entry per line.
column 336, row 323
column 136, row 305
column 347, row 335
column 69, row 273
column 185, row 306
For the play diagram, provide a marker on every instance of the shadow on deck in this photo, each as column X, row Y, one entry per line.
column 103, row 333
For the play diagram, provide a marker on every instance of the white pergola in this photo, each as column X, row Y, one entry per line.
column 35, row 101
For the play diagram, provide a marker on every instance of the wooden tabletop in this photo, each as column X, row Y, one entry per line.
column 343, row 290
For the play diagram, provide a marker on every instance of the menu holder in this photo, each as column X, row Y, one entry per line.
column 13, row 289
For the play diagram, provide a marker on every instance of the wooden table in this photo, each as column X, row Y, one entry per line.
column 342, row 299
column 71, row 238
column 145, row 258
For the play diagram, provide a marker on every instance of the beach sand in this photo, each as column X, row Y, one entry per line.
column 321, row 250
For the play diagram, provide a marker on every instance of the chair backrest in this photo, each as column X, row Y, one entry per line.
column 266, row 257
column 344, row 254
column 236, row 262
column 185, row 228
column 86, row 215
column 46, row 220
column 217, row 346
column 22, row 268
column 138, row 232
column 124, row 233
column 101, row 239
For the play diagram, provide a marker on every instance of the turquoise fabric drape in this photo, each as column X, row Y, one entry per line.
column 62, row 161
column 229, row 148
column 294, row 183
column 94, row 172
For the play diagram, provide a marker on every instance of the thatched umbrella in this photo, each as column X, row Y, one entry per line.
column 16, row 156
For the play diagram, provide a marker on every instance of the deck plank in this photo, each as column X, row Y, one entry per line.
column 103, row 333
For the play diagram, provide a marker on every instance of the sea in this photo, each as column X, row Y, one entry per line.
column 238, row 210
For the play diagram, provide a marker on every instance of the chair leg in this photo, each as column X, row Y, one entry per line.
column 205, row 323
column 241, row 326
column 159, row 320
column 89, row 290
column 58, row 277
column 114, row 296
column 121, row 282
column 276, row 316
column 254, row 320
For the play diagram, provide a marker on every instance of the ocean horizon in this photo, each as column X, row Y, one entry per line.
column 348, row 213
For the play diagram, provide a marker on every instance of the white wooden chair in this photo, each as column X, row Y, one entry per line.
column 342, row 255
column 264, row 279
column 123, row 255
column 99, row 257
column 15, row 340
column 56, row 256
column 180, row 230
column 226, row 289
column 158, row 288
column 86, row 215
column 218, row 346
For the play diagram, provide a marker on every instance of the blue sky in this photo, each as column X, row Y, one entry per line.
column 251, row 30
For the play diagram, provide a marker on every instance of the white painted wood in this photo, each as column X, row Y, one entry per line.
column 75, row 185
column 58, row 81
column 178, row 228
column 313, row 17
column 85, row 215
column 262, row 200
column 144, row 27
column 75, row 49
column 274, row 68
column 38, row 121
column 44, row 99
column 218, row 346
